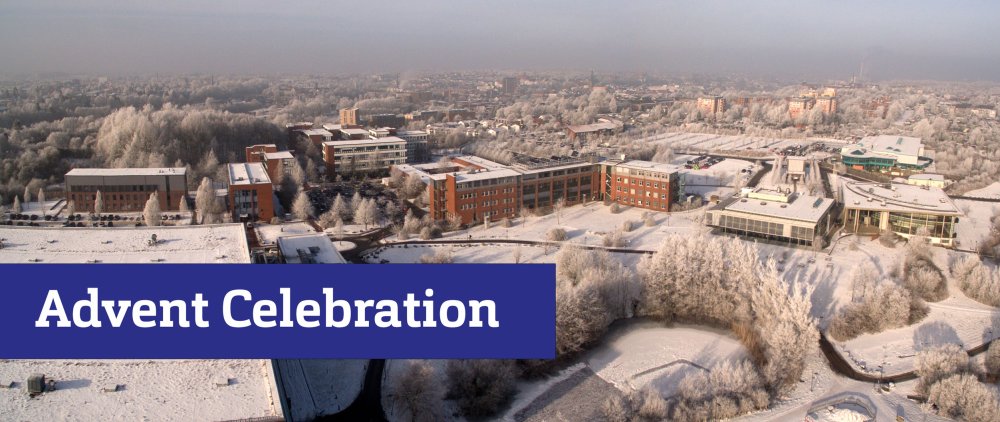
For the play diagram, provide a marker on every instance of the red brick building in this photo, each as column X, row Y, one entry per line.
column 126, row 189
column 251, row 195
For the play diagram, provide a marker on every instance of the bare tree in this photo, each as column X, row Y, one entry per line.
column 558, row 208
column 419, row 394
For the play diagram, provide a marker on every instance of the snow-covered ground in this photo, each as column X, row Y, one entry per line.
column 587, row 224
column 151, row 390
column 744, row 143
column 223, row 243
column 321, row 387
column 991, row 191
column 651, row 354
column 975, row 225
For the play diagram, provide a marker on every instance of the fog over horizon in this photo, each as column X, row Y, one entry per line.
column 770, row 38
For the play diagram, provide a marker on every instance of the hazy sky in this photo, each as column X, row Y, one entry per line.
column 803, row 39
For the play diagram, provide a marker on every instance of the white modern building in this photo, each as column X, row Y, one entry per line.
column 871, row 208
column 884, row 152
column 775, row 215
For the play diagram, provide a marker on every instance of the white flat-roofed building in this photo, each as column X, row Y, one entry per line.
column 925, row 179
column 126, row 189
column 364, row 155
column 309, row 249
column 775, row 215
column 98, row 389
column 883, row 152
column 871, row 208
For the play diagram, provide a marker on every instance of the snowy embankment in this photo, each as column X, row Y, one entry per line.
column 650, row 354
column 992, row 191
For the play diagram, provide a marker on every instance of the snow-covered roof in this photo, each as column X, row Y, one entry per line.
column 311, row 248
column 593, row 127
column 355, row 131
column 224, row 243
column 649, row 166
column 318, row 132
column 331, row 127
column 885, row 145
column 159, row 171
column 806, row 208
column 248, row 174
column 140, row 390
column 898, row 197
column 369, row 141
column 280, row 155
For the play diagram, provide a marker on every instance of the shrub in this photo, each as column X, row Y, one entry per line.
column 615, row 239
column 555, row 234
column 938, row 363
column 648, row 220
column 616, row 409
column 627, row 226
column 992, row 360
column 977, row 281
column 615, row 208
column 443, row 256
column 481, row 387
column 963, row 397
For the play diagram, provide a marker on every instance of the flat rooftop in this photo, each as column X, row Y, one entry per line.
column 593, row 127
column 152, row 390
column 898, row 197
column 355, row 131
column 280, row 155
column 804, row 208
column 208, row 244
column 369, row 141
column 317, row 132
column 160, row 171
column 885, row 145
column 248, row 174
column 309, row 249
column 649, row 166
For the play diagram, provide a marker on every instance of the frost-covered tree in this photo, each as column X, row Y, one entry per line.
column 418, row 396
column 555, row 234
column 70, row 208
column 340, row 208
column 558, row 207
column 727, row 390
column 355, row 203
column 98, row 203
column 592, row 290
column 151, row 212
column 205, row 203
column 27, row 194
column 41, row 201
column 16, row 206
column 977, row 280
column 963, row 397
column 413, row 187
column 366, row 213
column 992, row 359
column 937, row 363
column 480, row 387
column 182, row 204
column 302, row 208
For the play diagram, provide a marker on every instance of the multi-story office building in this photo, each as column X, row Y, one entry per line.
column 251, row 195
column 349, row 116
column 642, row 184
column 711, row 105
column 871, row 208
column 364, row 155
column 126, row 189
column 477, row 189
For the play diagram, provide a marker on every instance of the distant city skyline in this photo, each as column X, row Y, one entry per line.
column 771, row 38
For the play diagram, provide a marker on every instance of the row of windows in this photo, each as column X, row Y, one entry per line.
column 749, row 225
column 640, row 183
column 645, row 203
column 113, row 188
column 803, row 233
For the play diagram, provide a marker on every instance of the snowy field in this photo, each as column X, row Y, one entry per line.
column 710, row 142
column 151, row 390
column 975, row 225
column 651, row 354
column 223, row 243
column 321, row 386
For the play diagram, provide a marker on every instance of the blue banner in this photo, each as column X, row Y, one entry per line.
column 143, row 311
